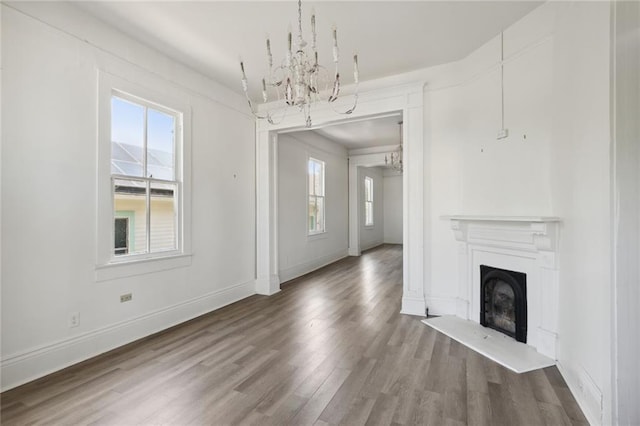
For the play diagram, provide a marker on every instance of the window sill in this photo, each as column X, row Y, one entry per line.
column 129, row 268
column 317, row 236
column 369, row 226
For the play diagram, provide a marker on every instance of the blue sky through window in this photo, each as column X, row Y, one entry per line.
column 127, row 126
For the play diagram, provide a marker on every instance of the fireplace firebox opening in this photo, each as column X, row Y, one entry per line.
column 503, row 301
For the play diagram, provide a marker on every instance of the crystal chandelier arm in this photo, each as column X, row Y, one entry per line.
column 245, row 88
column 335, row 44
column 313, row 34
column 270, row 60
column 336, row 88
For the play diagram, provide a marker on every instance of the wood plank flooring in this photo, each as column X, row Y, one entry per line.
column 330, row 348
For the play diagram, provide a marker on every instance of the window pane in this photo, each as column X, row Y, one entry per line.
column 368, row 213
column 311, row 177
column 163, row 217
column 130, row 201
column 368, row 189
column 127, row 135
column 121, row 235
column 320, row 214
column 160, row 145
column 312, row 214
column 318, row 179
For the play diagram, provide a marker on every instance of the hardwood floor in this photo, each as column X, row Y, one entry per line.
column 330, row 348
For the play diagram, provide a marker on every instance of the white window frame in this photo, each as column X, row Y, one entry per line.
column 311, row 233
column 368, row 201
column 165, row 99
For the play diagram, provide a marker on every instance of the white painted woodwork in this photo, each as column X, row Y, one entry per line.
column 626, row 216
column 107, row 265
column 527, row 245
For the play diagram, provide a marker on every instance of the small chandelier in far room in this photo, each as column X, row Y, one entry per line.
column 394, row 159
column 300, row 80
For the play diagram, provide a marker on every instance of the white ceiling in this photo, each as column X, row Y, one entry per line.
column 390, row 37
column 364, row 133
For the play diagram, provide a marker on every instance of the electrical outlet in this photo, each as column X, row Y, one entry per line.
column 126, row 297
column 74, row 319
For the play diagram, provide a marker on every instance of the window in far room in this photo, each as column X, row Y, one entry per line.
column 315, row 177
column 368, row 201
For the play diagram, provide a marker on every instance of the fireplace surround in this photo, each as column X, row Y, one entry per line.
column 524, row 245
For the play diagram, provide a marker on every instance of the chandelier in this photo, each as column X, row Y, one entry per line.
column 394, row 160
column 300, row 81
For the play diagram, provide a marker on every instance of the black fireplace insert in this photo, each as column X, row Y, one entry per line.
column 503, row 301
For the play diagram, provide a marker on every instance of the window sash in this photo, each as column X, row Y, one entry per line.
column 368, row 201
column 316, row 200
column 148, row 181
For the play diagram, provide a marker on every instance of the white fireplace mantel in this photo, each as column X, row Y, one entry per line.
column 527, row 244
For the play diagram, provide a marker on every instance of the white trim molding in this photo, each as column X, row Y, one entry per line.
column 407, row 99
column 523, row 244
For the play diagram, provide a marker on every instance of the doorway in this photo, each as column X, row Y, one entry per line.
column 319, row 199
column 409, row 99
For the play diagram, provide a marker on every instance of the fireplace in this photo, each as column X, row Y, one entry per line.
column 503, row 301
column 528, row 245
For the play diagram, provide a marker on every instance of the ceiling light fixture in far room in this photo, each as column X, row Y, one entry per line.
column 300, row 81
column 394, row 159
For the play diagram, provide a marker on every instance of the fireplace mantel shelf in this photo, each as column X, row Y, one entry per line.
column 480, row 218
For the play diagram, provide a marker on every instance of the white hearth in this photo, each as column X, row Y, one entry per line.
column 522, row 244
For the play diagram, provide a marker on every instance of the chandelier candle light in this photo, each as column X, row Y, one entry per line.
column 300, row 80
column 394, row 160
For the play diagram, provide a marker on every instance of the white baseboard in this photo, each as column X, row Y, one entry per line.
column 371, row 245
column 391, row 241
column 311, row 265
column 32, row 364
column 442, row 305
column 412, row 306
column 586, row 393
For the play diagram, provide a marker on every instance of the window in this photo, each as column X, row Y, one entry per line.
column 315, row 177
column 368, row 201
column 144, row 178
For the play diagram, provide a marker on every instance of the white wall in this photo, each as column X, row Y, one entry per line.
column 555, row 162
column 392, row 210
column 581, row 177
column 300, row 253
column 51, row 57
column 627, row 212
column 371, row 236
